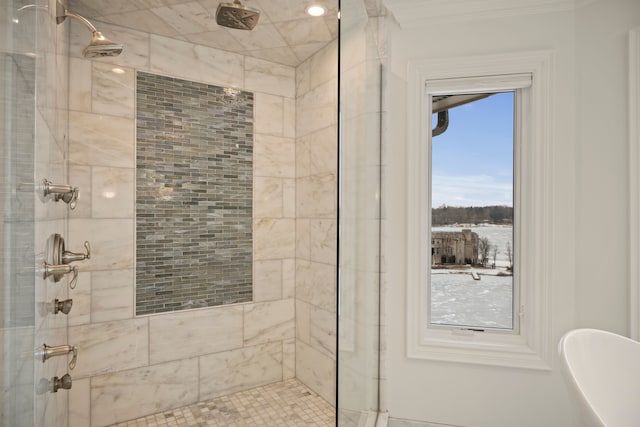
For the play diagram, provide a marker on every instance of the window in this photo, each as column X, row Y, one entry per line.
column 472, row 165
column 520, row 335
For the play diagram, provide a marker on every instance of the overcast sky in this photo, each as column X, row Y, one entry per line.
column 472, row 162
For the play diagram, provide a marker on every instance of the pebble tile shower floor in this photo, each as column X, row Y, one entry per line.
column 284, row 404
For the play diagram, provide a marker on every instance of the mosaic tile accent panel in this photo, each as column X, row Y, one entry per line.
column 194, row 191
column 282, row 404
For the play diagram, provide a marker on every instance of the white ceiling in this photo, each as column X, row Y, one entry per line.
column 284, row 34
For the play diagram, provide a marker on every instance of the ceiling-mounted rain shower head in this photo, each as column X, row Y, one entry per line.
column 236, row 15
column 100, row 46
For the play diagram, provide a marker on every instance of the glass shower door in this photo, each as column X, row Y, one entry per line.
column 359, row 217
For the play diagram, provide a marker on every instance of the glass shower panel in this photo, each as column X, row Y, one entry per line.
column 17, row 129
column 359, row 222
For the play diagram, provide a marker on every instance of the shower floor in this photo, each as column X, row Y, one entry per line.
column 283, row 404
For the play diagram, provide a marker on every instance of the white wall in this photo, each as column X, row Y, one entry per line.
column 589, row 204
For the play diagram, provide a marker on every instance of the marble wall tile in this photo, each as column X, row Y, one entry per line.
column 80, row 313
column 317, row 109
column 307, row 50
column 303, row 156
column 111, row 346
column 101, row 140
column 267, row 197
column 194, row 333
column 289, row 117
column 112, row 295
column 274, row 156
column 269, row 114
column 143, row 20
column 135, row 52
column 186, row 18
column 316, row 370
column 195, row 62
column 303, row 239
column 113, row 90
column 80, row 90
column 316, row 284
column 80, row 176
column 288, row 278
column 289, row 198
column 322, row 328
column 241, row 369
column 263, row 36
column 316, row 196
column 267, row 280
column 323, row 151
column 323, row 235
column 324, row 65
column 304, row 31
column 112, row 245
column 273, row 238
column 269, row 321
column 112, row 192
column 80, row 407
column 288, row 359
column 133, row 393
column 303, row 78
column 267, row 77
column 303, row 321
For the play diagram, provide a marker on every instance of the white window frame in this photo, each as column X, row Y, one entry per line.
column 531, row 345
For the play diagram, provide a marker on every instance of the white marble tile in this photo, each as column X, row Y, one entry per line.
column 80, row 90
column 304, row 31
column 316, row 196
column 267, row 197
column 317, row 109
column 267, row 280
column 323, row 240
column 199, row 63
column 263, row 36
column 316, row 284
column 305, row 52
column 80, row 313
column 324, row 65
column 289, row 117
column 303, row 156
column 111, row 346
column 316, row 370
column 113, row 90
column 142, row 20
column 274, row 156
column 80, row 403
column 280, row 55
column 323, row 147
column 303, row 78
column 112, row 242
column 112, row 192
column 269, row 321
column 303, row 321
column 112, row 295
column 241, row 369
column 96, row 139
column 288, row 359
column 267, row 77
column 288, row 278
column 186, row 18
column 303, row 239
column 80, row 176
column 273, row 238
column 289, row 198
column 131, row 394
column 218, row 39
column 194, row 333
column 269, row 114
column 322, row 330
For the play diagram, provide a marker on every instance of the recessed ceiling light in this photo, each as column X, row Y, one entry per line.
column 316, row 10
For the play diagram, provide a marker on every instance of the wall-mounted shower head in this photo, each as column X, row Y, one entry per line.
column 236, row 15
column 100, row 46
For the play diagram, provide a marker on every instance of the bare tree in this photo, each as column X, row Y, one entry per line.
column 484, row 246
column 509, row 253
column 494, row 253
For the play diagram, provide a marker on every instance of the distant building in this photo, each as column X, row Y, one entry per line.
column 454, row 247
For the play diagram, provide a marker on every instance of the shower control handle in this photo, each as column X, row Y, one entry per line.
column 62, row 306
column 68, row 256
column 47, row 352
column 61, row 383
column 64, row 192
column 58, row 270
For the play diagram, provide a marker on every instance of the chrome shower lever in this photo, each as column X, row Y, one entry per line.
column 48, row 351
column 68, row 256
column 57, row 271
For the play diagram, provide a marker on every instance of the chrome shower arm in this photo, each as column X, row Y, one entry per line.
column 62, row 13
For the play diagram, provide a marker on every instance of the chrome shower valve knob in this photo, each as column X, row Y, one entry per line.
column 64, row 192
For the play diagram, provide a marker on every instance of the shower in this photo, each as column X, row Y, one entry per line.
column 237, row 16
column 99, row 46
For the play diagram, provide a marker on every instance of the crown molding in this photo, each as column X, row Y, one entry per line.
column 415, row 13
